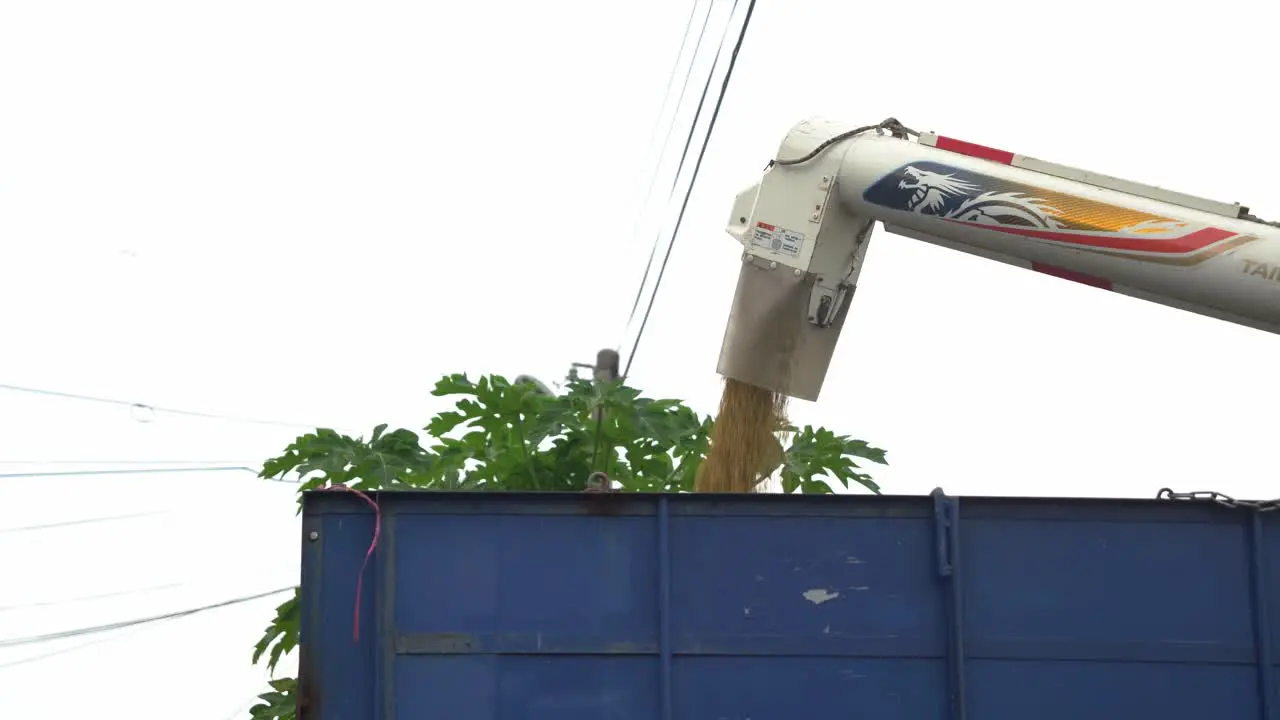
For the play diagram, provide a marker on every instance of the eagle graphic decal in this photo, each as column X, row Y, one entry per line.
column 976, row 199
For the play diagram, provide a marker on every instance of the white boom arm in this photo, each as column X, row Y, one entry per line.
column 806, row 225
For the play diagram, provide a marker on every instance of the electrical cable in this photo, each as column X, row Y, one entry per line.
column 684, row 155
column 134, row 471
column 135, row 627
column 653, row 178
column 125, row 462
column 65, row 650
column 85, row 521
column 715, row 113
column 83, row 598
column 702, row 99
column 108, row 627
column 160, row 409
column 675, row 180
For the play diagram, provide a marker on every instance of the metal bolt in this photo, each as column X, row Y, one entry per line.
column 799, row 272
column 313, row 536
column 773, row 264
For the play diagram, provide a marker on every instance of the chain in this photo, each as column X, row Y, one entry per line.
column 1220, row 498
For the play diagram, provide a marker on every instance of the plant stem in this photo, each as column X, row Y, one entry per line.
column 676, row 466
column 524, row 449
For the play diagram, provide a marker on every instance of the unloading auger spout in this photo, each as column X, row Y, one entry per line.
column 806, row 225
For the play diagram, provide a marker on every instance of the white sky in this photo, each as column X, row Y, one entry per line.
column 311, row 211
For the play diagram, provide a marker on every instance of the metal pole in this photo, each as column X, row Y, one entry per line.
column 605, row 370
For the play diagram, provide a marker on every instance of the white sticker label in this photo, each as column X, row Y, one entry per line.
column 777, row 239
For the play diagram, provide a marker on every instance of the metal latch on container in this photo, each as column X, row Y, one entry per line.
column 835, row 282
column 825, row 303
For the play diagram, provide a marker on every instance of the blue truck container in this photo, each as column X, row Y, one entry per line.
column 496, row 606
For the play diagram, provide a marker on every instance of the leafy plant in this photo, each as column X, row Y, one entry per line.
column 279, row 702
column 513, row 436
column 281, row 636
column 817, row 456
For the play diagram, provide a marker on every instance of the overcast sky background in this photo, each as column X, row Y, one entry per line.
column 310, row 211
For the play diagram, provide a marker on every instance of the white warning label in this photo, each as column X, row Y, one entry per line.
column 777, row 239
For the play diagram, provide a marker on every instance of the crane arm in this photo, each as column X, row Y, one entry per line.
column 805, row 229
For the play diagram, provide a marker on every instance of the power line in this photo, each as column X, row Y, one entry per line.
column 124, row 462
column 135, row 625
column 97, row 629
column 65, row 650
column 131, row 471
column 702, row 99
column 715, row 113
column 83, row 598
column 653, row 178
column 675, row 179
column 159, row 409
column 684, row 153
column 85, row 521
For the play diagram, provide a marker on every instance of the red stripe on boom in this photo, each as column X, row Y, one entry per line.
column 1189, row 243
column 974, row 150
column 1072, row 275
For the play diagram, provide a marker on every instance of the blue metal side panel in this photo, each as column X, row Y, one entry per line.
column 532, row 607
column 1094, row 617
column 832, row 614
column 330, row 658
column 558, row 614
column 1267, row 541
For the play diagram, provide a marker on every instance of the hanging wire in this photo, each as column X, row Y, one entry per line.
column 84, row 521
column 653, row 178
column 35, row 463
column 109, row 627
column 65, row 650
column 715, row 113
column 87, row 598
column 134, row 471
column 145, row 409
column 131, row 627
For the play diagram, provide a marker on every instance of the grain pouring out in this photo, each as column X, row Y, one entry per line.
column 744, row 445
